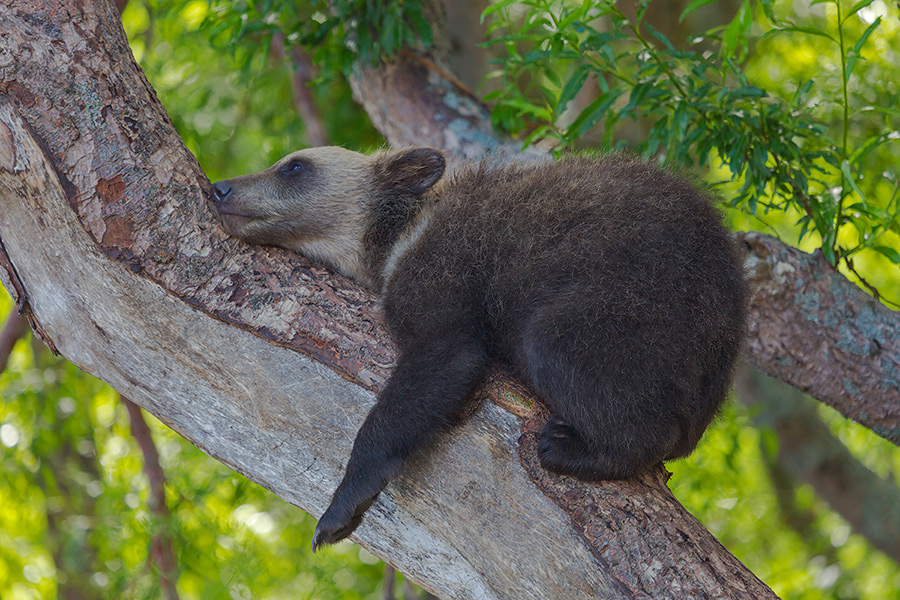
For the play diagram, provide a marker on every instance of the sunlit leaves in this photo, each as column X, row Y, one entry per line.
column 854, row 54
column 338, row 32
column 734, row 40
column 784, row 152
column 856, row 8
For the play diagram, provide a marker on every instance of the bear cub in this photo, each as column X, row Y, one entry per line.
column 607, row 284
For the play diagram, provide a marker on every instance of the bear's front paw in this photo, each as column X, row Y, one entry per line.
column 339, row 521
column 334, row 526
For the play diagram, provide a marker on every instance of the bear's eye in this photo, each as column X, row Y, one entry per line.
column 296, row 166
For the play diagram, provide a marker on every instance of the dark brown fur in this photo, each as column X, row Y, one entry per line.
column 607, row 284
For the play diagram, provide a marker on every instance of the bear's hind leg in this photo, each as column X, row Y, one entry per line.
column 621, row 455
column 614, row 414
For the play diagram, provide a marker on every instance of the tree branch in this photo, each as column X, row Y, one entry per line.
column 161, row 553
column 809, row 453
column 413, row 102
column 16, row 326
column 813, row 328
column 301, row 75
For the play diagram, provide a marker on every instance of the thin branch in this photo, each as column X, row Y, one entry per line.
column 301, row 76
column 875, row 293
column 389, row 578
column 15, row 328
column 161, row 553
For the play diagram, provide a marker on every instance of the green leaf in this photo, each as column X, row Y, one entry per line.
column 658, row 35
column 768, row 11
column 828, row 249
column 494, row 7
column 856, row 8
column 570, row 18
column 422, row 28
column 804, row 223
column 694, row 5
column 854, row 54
column 849, row 178
column 750, row 91
column 802, row 91
column 736, row 31
column 527, row 108
column 882, row 109
column 573, row 86
column 871, row 144
column 592, row 114
column 552, row 76
column 537, row 133
column 796, row 29
column 891, row 254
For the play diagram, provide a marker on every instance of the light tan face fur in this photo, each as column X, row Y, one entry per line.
column 316, row 208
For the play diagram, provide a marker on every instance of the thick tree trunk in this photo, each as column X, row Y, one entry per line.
column 270, row 364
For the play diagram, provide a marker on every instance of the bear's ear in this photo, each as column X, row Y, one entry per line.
column 414, row 170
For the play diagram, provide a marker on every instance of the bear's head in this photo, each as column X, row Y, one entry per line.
column 335, row 206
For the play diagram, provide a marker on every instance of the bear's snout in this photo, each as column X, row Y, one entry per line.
column 220, row 191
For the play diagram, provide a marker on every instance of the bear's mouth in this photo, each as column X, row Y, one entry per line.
column 234, row 219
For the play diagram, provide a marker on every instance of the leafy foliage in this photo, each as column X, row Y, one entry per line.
column 339, row 32
column 225, row 101
column 806, row 144
column 726, row 483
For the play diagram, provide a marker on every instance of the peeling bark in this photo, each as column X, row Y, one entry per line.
column 269, row 363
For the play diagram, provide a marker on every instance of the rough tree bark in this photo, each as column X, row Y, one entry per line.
column 270, row 364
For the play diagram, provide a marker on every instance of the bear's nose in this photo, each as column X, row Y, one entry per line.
column 221, row 190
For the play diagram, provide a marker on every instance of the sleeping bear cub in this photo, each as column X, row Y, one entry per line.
column 608, row 285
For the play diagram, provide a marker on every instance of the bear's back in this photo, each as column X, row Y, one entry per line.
column 613, row 224
column 626, row 266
